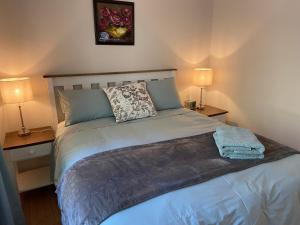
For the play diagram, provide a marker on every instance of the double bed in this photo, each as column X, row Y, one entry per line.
column 264, row 194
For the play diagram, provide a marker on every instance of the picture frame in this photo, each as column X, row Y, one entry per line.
column 114, row 22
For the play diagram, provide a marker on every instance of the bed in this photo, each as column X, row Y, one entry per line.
column 265, row 194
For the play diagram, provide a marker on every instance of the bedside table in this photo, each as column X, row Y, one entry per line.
column 20, row 150
column 216, row 113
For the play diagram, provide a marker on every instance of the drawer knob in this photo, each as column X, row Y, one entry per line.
column 31, row 152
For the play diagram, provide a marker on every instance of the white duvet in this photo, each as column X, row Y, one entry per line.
column 266, row 194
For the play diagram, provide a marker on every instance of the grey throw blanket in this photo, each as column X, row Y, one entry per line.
column 103, row 184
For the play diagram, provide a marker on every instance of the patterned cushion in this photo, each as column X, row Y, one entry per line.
column 130, row 102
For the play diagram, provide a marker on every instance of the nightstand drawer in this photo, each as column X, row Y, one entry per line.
column 30, row 152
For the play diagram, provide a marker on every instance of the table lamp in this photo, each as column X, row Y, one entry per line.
column 17, row 91
column 203, row 77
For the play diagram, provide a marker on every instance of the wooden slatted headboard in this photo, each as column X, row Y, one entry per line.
column 95, row 81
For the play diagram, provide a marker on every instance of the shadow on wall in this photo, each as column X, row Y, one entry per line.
column 228, row 54
column 2, row 128
column 257, row 72
column 60, row 42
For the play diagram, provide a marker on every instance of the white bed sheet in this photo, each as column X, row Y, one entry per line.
column 266, row 194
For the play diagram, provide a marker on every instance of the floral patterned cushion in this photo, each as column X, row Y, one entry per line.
column 130, row 102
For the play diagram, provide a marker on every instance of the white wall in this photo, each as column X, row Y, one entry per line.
column 1, row 125
column 7, row 46
column 57, row 36
column 256, row 51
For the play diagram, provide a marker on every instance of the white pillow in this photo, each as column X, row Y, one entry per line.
column 130, row 102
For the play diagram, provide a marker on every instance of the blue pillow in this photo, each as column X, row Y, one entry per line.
column 163, row 94
column 84, row 105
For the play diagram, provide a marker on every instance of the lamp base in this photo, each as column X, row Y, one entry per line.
column 24, row 132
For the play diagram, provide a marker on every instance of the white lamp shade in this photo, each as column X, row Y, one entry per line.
column 203, row 77
column 15, row 90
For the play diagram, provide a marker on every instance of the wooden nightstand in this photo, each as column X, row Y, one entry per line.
column 216, row 113
column 20, row 151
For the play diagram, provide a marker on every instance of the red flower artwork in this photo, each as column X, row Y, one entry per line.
column 115, row 22
column 113, row 17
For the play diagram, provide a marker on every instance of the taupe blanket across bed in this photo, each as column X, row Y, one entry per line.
column 106, row 183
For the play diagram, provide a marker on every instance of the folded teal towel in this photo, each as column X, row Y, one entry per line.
column 238, row 143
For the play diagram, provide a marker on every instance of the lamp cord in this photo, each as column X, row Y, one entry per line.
column 41, row 131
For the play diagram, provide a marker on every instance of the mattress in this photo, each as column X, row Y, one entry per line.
column 266, row 194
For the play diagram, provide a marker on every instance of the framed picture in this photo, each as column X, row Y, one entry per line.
column 114, row 22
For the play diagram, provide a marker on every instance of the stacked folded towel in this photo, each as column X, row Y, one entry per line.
column 238, row 143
